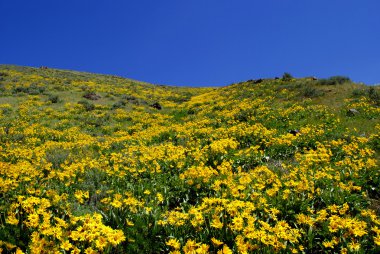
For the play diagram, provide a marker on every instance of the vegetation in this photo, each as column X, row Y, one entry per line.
column 335, row 80
column 287, row 77
column 270, row 167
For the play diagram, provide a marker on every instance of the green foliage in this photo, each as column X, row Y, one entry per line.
column 33, row 89
column 358, row 92
column 311, row 92
column 57, row 157
column 119, row 104
column 287, row 77
column 88, row 106
column 53, row 98
column 334, row 80
column 371, row 93
column 374, row 95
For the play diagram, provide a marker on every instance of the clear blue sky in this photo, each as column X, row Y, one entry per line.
column 195, row 42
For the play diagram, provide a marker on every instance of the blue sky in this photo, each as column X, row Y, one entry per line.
column 196, row 42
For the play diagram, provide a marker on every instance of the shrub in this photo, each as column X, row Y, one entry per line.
column 374, row 95
column 132, row 99
column 53, row 98
column 2, row 75
column 287, row 77
column 370, row 93
column 57, row 157
column 118, row 104
column 334, row 80
column 358, row 93
column 311, row 92
column 91, row 96
column 2, row 88
column 88, row 106
column 33, row 89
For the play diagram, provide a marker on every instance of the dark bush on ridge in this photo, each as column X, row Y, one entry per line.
column 334, row 80
column 287, row 77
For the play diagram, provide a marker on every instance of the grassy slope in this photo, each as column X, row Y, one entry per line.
column 157, row 150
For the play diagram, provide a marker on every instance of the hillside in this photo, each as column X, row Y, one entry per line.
column 102, row 163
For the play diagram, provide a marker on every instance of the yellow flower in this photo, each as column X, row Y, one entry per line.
column 129, row 223
column 376, row 239
column 216, row 242
column 216, row 223
column 160, row 198
column 19, row 251
column 90, row 250
column 174, row 243
column 101, row 242
column 116, row 203
column 75, row 251
column 66, row 245
column 202, row 249
column 237, row 223
column 190, row 246
column 304, row 219
column 329, row 244
column 225, row 250
column 344, row 208
column 12, row 220
column 354, row 246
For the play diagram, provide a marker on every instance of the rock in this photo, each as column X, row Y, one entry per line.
column 352, row 112
column 257, row 81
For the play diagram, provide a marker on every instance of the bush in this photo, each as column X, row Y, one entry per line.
column 91, row 96
column 57, row 157
column 287, row 77
column 374, row 95
column 358, row 93
column 33, row 89
column 2, row 75
column 335, row 80
column 118, row 104
column 132, row 99
column 311, row 92
column 53, row 98
column 370, row 93
column 2, row 88
column 88, row 106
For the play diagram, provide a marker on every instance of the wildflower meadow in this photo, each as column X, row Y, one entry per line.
column 101, row 164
